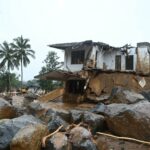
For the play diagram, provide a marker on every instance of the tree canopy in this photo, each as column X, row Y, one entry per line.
column 51, row 63
column 14, row 55
column 8, row 60
column 22, row 52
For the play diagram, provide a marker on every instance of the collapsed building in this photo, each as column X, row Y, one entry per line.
column 92, row 69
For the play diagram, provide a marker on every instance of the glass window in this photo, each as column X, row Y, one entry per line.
column 77, row 57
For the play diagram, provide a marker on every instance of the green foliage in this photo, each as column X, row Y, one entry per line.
column 12, row 56
column 22, row 52
column 7, row 56
column 8, row 60
column 51, row 64
column 14, row 80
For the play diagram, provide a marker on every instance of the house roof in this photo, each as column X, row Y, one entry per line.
column 81, row 45
column 60, row 75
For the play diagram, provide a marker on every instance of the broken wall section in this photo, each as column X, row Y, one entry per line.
column 103, row 82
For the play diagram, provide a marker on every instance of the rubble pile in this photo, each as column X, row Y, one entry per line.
column 120, row 122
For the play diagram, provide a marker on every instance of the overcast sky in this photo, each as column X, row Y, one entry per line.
column 116, row 22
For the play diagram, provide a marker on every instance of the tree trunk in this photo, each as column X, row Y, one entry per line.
column 9, row 86
column 21, row 74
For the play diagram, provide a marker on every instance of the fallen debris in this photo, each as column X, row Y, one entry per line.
column 125, row 138
column 52, row 95
column 51, row 134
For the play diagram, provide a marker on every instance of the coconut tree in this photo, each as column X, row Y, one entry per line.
column 7, row 60
column 22, row 52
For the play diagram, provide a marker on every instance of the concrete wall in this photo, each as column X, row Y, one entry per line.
column 143, row 60
column 106, row 59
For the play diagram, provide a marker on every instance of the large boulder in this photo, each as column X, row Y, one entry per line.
column 146, row 94
column 121, row 95
column 110, row 143
column 55, row 123
column 6, row 110
column 129, row 120
column 99, row 109
column 58, row 141
column 18, row 103
column 81, row 138
column 35, row 106
column 9, row 127
column 94, row 121
column 29, row 137
column 45, row 112
column 51, row 112
column 76, row 115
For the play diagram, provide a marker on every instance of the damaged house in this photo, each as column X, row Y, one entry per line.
column 92, row 69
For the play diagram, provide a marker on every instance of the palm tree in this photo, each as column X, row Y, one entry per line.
column 23, row 51
column 8, row 60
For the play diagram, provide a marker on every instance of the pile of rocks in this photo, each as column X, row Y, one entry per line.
column 127, row 113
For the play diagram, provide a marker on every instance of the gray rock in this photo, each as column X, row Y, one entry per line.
column 81, row 139
column 9, row 127
column 59, row 141
column 55, row 123
column 35, row 106
column 37, row 109
column 146, row 94
column 18, row 103
column 29, row 137
column 99, row 109
column 121, row 95
column 130, row 120
column 76, row 116
column 85, row 145
column 6, row 110
column 95, row 122
column 64, row 114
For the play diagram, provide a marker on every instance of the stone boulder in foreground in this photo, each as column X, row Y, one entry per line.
column 9, row 127
column 129, row 120
column 6, row 110
column 121, row 95
column 29, row 137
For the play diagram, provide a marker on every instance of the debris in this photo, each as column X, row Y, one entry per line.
column 124, row 138
column 7, row 111
column 52, row 95
column 45, row 138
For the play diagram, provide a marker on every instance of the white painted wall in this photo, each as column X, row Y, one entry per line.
column 99, row 59
column 108, row 58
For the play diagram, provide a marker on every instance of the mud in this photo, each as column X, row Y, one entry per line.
column 104, row 82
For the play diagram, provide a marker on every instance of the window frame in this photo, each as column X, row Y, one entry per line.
column 128, row 60
column 75, row 59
